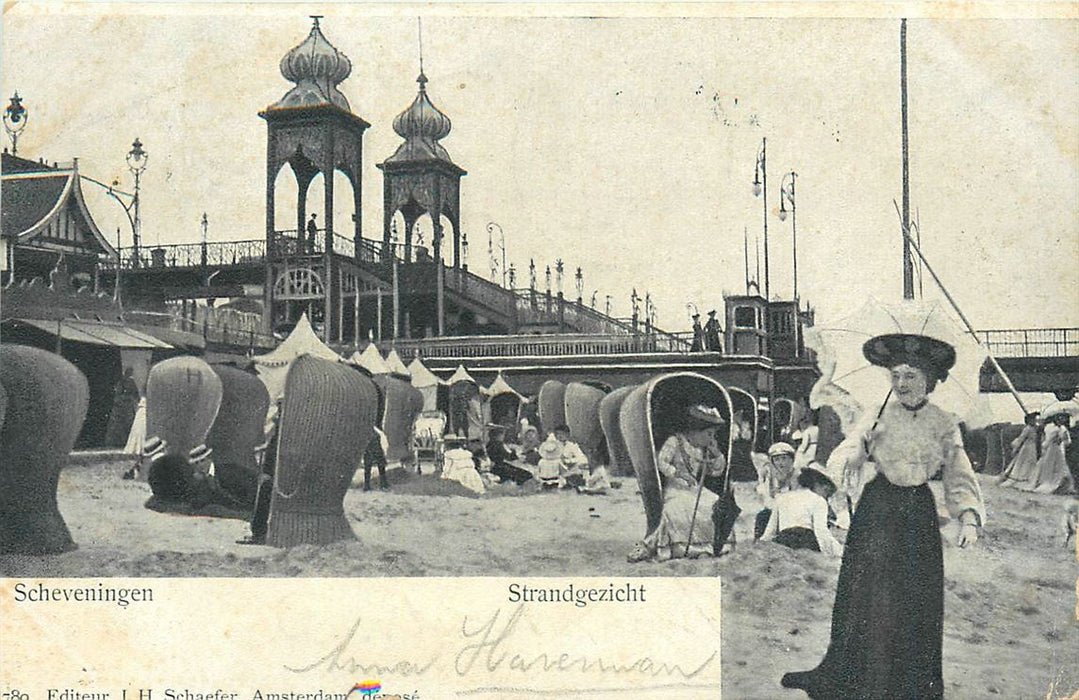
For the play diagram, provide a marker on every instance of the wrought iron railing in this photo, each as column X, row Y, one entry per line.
column 1031, row 342
column 539, row 345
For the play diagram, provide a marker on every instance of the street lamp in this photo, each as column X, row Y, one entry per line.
column 137, row 160
column 786, row 196
column 464, row 250
column 760, row 186
column 15, row 118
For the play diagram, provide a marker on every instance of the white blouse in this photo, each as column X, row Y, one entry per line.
column 910, row 447
column 803, row 508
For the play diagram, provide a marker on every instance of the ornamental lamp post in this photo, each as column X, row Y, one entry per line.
column 137, row 160
column 786, row 196
column 760, row 186
column 15, row 118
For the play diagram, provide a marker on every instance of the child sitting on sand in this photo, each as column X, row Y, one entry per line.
column 549, row 467
column 574, row 460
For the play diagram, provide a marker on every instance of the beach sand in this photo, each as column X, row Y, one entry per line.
column 1010, row 602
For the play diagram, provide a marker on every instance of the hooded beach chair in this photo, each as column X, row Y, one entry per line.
column 655, row 411
column 44, row 402
column 183, row 396
column 327, row 417
column 238, row 430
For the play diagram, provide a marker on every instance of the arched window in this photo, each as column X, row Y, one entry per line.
column 299, row 283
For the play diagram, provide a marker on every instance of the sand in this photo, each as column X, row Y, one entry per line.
column 1010, row 602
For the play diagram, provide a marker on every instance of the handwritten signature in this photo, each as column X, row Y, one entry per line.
column 338, row 659
column 486, row 649
column 491, row 641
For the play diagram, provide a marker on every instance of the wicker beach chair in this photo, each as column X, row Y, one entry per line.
column 45, row 404
column 327, row 417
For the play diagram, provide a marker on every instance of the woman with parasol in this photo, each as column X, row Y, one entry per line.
column 887, row 621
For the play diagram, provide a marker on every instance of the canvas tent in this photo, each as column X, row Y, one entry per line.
column 371, row 360
column 397, row 367
column 273, row 367
column 503, row 405
column 426, row 381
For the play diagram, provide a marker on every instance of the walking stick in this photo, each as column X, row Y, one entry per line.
column 693, row 518
column 696, row 504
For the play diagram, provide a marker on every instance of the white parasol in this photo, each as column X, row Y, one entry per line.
column 850, row 381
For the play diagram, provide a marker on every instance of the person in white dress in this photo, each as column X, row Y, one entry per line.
column 687, row 528
column 1053, row 473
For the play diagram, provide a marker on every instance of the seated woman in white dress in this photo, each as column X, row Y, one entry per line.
column 685, row 459
column 800, row 517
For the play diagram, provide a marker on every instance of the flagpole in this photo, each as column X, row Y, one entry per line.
column 962, row 317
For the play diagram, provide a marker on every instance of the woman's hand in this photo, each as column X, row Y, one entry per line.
column 968, row 534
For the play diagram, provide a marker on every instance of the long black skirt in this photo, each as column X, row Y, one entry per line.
column 888, row 618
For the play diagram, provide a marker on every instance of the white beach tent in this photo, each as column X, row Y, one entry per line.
column 273, row 367
column 500, row 386
column 461, row 375
column 426, row 381
column 503, row 405
column 396, row 365
column 371, row 360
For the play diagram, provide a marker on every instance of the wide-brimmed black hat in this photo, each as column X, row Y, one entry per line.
column 930, row 354
column 811, row 476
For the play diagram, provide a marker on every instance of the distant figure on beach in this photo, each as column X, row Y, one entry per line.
column 549, row 465
column 698, row 335
column 806, row 452
column 260, row 518
column 574, row 461
column 125, row 401
column 529, row 448
column 711, row 334
column 503, row 459
column 1053, row 473
column 1022, row 471
column 375, row 456
column 799, row 519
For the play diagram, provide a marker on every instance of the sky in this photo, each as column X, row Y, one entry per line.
column 625, row 146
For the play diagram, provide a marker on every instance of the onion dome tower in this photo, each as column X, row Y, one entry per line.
column 311, row 128
column 420, row 177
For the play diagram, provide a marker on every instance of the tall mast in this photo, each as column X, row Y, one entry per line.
column 908, row 263
column 745, row 249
